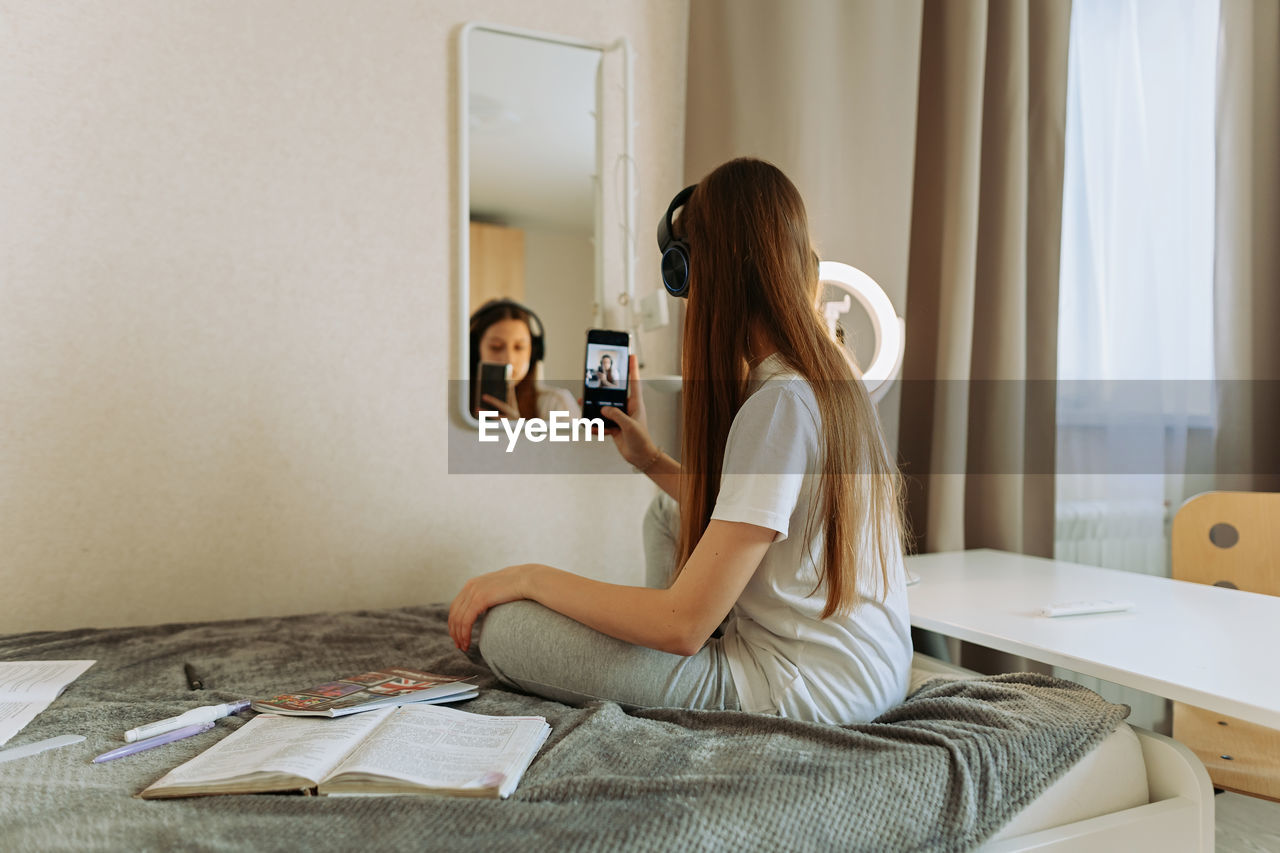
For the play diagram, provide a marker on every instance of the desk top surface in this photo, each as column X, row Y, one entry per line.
column 1207, row 646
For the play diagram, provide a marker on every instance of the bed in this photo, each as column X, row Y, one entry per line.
column 1011, row 762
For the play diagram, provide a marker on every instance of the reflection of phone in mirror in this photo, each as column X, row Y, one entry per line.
column 605, row 383
column 494, row 380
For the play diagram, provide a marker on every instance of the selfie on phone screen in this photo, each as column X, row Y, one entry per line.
column 605, row 383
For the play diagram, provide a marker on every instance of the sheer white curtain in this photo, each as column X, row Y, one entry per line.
column 1135, row 345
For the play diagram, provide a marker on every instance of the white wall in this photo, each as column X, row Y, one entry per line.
column 226, row 266
column 559, row 267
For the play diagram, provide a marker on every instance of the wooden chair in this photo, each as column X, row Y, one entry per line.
column 1230, row 539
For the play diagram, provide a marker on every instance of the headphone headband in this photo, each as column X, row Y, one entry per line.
column 675, row 251
column 538, row 344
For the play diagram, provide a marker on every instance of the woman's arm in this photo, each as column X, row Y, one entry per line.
column 634, row 442
column 678, row 620
column 504, row 408
column 661, row 468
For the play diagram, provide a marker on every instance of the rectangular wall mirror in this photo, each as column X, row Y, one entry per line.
column 541, row 120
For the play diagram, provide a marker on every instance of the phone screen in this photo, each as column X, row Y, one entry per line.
column 605, row 382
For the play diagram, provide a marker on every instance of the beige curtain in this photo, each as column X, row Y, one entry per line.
column 977, row 424
column 978, row 402
column 1247, row 246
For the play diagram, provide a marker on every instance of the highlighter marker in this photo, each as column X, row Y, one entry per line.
column 203, row 714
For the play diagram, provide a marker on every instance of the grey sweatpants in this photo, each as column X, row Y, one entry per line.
column 539, row 651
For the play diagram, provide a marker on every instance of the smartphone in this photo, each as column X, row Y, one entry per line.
column 492, row 379
column 606, row 373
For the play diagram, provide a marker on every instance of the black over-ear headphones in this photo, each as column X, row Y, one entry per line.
column 675, row 252
column 538, row 346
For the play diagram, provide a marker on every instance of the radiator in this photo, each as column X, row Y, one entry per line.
column 1131, row 535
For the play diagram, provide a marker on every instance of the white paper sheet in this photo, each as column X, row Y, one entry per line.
column 28, row 687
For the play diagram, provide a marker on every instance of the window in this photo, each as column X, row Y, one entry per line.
column 1135, row 351
column 1137, row 237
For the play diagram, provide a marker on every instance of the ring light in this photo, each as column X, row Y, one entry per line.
column 889, row 329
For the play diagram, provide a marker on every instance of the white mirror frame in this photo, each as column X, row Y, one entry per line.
column 462, row 317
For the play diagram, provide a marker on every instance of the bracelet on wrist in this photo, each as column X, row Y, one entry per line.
column 644, row 468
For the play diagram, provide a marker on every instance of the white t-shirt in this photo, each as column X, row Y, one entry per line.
column 553, row 399
column 783, row 657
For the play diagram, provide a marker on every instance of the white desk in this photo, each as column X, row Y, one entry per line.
column 1204, row 645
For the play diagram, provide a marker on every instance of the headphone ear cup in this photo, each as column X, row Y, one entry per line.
column 675, row 268
column 675, row 251
column 537, row 350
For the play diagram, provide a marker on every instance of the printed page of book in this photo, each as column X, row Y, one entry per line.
column 28, row 687
column 444, row 749
column 284, row 753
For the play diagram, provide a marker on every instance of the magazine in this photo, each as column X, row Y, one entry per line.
column 367, row 691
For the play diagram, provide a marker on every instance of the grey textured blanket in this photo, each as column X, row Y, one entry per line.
column 941, row 772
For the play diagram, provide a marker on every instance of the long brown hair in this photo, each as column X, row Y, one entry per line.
column 753, row 267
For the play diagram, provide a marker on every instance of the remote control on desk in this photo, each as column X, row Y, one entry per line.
column 1079, row 608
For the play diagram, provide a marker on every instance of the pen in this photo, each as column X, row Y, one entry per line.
column 38, row 747
column 151, row 742
column 203, row 714
column 194, row 681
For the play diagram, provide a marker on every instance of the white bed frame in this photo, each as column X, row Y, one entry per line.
column 1178, row 818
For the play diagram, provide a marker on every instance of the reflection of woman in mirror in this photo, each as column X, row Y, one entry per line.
column 505, row 332
column 606, row 375
column 777, row 583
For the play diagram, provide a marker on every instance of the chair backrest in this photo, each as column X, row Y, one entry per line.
column 1229, row 539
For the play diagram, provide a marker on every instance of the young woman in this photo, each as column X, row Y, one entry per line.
column 502, row 333
column 604, row 374
column 790, row 594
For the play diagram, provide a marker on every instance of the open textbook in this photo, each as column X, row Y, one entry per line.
column 28, row 687
column 369, row 690
column 414, row 749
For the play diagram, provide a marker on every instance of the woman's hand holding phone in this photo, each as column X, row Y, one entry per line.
column 494, row 389
column 631, row 436
column 503, row 408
